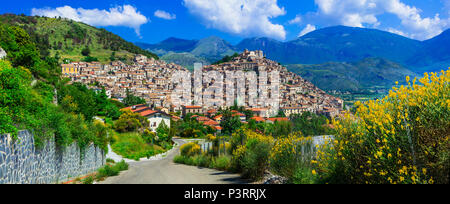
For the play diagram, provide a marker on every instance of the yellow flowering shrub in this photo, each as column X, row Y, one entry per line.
column 252, row 157
column 210, row 137
column 403, row 138
column 190, row 149
column 290, row 153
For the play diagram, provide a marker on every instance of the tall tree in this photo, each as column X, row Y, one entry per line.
column 132, row 100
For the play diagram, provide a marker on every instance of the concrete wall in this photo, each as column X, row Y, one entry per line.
column 22, row 163
column 2, row 53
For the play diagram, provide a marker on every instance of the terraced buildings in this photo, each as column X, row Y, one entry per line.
column 151, row 80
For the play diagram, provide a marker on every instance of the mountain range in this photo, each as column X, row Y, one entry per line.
column 336, row 58
column 332, row 44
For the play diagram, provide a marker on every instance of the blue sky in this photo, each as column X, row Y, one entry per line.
column 152, row 21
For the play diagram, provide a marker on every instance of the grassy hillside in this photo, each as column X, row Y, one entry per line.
column 184, row 59
column 66, row 39
column 34, row 97
column 368, row 74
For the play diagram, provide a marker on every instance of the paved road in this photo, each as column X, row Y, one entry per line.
column 166, row 172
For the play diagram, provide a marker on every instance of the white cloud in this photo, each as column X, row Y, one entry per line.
column 241, row 17
column 309, row 28
column 165, row 15
column 363, row 13
column 125, row 15
column 296, row 20
column 398, row 32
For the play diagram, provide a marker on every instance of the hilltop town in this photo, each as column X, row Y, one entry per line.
column 150, row 79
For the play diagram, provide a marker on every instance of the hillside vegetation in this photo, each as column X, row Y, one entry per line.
column 34, row 96
column 400, row 139
column 354, row 77
column 66, row 39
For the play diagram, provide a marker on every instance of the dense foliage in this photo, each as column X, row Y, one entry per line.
column 131, row 100
column 30, row 89
column 310, row 124
column 131, row 122
column 403, row 138
column 226, row 59
column 22, row 51
column 189, row 127
column 69, row 38
column 132, row 145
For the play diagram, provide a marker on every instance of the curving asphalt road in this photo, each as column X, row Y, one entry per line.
column 164, row 171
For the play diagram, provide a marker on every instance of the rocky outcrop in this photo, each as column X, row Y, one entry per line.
column 2, row 53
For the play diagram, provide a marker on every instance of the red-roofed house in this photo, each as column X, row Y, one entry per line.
column 192, row 109
column 240, row 115
column 211, row 112
column 211, row 123
column 218, row 118
column 273, row 120
column 202, row 119
column 258, row 119
column 261, row 112
column 155, row 118
column 135, row 107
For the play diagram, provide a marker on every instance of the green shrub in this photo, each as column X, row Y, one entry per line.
column 108, row 171
column 179, row 159
column 303, row 176
column 222, row 163
column 121, row 166
column 88, row 180
column 256, row 159
column 202, row 160
column 149, row 136
column 133, row 146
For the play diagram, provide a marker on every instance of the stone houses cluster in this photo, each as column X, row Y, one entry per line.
column 146, row 78
column 296, row 94
column 151, row 80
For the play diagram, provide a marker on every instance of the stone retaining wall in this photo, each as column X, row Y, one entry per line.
column 22, row 163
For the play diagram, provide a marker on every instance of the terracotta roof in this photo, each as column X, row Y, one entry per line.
column 193, row 107
column 141, row 109
column 258, row 109
column 278, row 119
column 218, row 128
column 148, row 112
column 258, row 119
column 211, row 123
column 217, row 117
column 238, row 114
column 202, row 118
column 131, row 107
